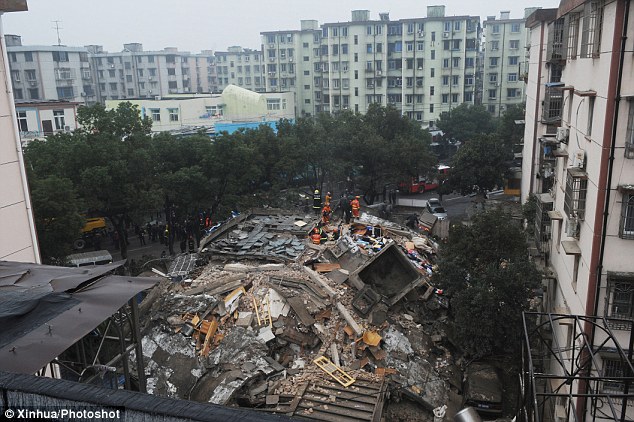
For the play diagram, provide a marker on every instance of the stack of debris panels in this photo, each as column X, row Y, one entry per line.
column 321, row 331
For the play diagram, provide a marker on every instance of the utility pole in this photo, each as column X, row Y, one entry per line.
column 57, row 28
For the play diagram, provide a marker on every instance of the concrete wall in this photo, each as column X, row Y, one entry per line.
column 18, row 241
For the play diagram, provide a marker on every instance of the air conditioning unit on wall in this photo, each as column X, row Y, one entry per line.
column 579, row 159
column 562, row 134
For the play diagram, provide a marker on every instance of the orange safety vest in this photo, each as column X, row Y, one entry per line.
column 316, row 238
column 355, row 206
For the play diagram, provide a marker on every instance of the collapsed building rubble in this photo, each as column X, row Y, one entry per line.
column 326, row 332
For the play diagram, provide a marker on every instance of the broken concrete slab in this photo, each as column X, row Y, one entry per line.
column 299, row 308
column 266, row 334
column 320, row 282
column 245, row 319
column 390, row 273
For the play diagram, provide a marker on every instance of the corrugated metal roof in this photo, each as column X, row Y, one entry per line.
column 45, row 309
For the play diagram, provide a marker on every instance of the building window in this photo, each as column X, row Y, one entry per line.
column 454, row 98
column 65, row 92
column 30, row 75
column 445, row 98
column 273, row 104
column 17, row 94
column 58, row 115
column 491, row 108
column 493, row 61
column 592, row 26
column 60, row 56
column 514, row 44
column 613, row 369
column 493, row 77
column 511, row 92
column 513, row 60
column 512, row 77
column 468, row 79
column 28, row 56
column 23, row 124
column 573, row 35
column 468, row 97
column 575, row 195
column 515, row 27
column 173, row 112
column 445, row 80
column 619, row 300
column 626, row 227
column 495, row 29
column 493, row 94
column 629, row 138
column 431, row 108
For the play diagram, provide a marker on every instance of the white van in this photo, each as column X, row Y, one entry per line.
column 89, row 258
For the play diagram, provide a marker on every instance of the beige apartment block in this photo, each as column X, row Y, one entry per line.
column 579, row 163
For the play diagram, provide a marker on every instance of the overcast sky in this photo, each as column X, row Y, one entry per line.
column 195, row 25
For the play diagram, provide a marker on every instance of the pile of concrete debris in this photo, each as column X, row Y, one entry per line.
column 326, row 331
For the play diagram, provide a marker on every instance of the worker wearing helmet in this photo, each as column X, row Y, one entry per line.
column 325, row 214
column 356, row 207
column 327, row 199
column 316, row 202
column 315, row 236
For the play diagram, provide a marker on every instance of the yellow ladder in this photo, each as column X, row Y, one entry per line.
column 263, row 311
column 334, row 371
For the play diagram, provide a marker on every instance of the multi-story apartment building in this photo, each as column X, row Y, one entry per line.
column 19, row 239
column 242, row 67
column 134, row 73
column 579, row 163
column 88, row 74
column 504, row 67
column 421, row 66
column 50, row 72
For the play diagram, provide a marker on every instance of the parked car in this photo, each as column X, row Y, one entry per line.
column 435, row 207
column 483, row 389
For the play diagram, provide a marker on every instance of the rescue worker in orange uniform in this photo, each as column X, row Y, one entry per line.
column 327, row 199
column 315, row 236
column 355, row 207
column 325, row 214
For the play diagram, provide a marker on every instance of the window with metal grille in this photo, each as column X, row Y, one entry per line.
column 573, row 35
column 629, row 137
column 592, row 26
column 575, row 195
column 619, row 300
column 613, row 368
column 543, row 226
column 626, row 226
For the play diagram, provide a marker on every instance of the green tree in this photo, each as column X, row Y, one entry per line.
column 109, row 161
column 480, row 164
column 485, row 269
column 57, row 217
column 465, row 122
column 510, row 132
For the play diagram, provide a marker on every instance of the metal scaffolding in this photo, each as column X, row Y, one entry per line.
column 565, row 375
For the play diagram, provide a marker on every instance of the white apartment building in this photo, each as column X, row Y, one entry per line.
column 421, row 66
column 235, row 107
column 241, row 67
column 135, row 73
column 579, row 162
column 50, row 72
column 504, row 67
column 19, row 239
column 38, row 119
column 88, row 74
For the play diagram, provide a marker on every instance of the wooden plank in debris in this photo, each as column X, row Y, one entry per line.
column 297, row 304
column 210, row 334
column 326, row 267
column 336, row 373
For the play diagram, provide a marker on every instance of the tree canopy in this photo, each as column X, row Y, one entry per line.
column 480, row 164
column 485, row 269
column 465, row 122
column 116, row 168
